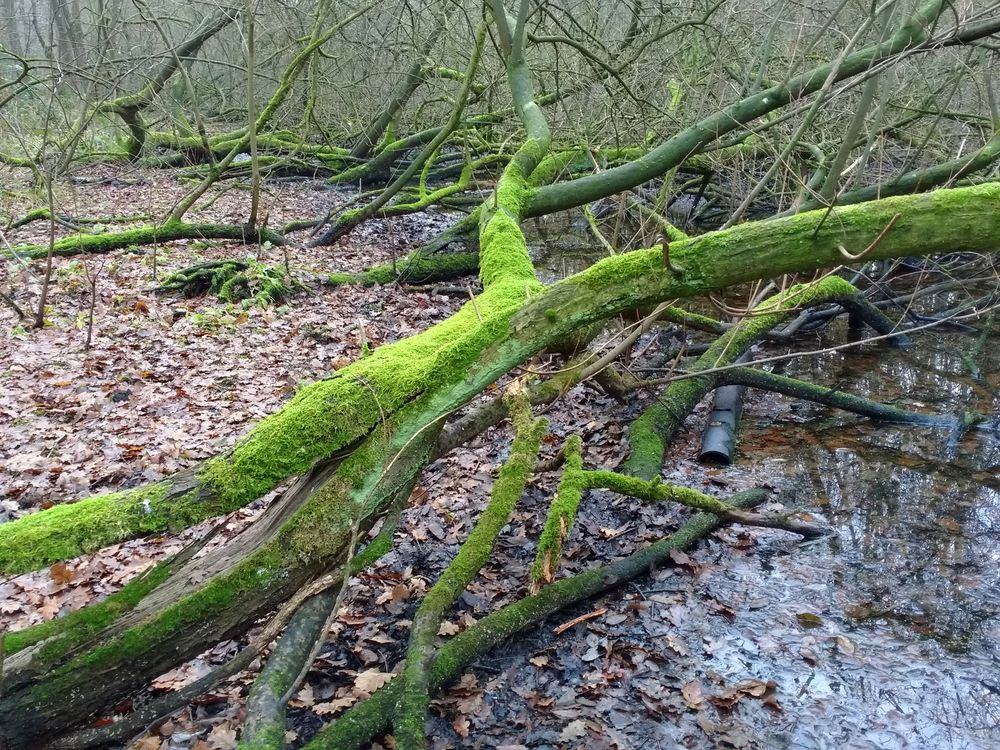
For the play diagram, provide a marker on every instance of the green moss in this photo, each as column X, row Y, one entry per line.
column 414, row 268
column 652, row 431
column 363, row 722
column 66, row 633
column 554, row 163
column 246, row 580
column 562, row 513
column 79, row 244
column 337, row 411
column 655, row 491
column 338, row 279
column 72, row 529
column 269, row 737
column 471, row 556
column 503, row 251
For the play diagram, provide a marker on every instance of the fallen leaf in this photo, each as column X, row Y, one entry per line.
column 370, row 680
column 461, row 726
column 950, row 525
column 845, row 644
column 678, row 645
column 332, row 707
column 61, row 573
column 692, row 694
column 222, row 737
column 574, row 730
column 305, row 697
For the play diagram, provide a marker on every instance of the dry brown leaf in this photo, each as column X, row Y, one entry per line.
column 337, row 704
column 222, row 737
column 305, row 697
column 61, row 573
column 370, row 680
column 461, row 726
column 692, row 694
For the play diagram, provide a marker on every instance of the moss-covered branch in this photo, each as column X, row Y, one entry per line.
column 466, row 353
column 361, row 724
column 658, row 492
column 80, row 244
column 416, row 268
column 673, row 151
column 562, row 513
column 650, row 434
column 796, row 388
column 351, row 219
column 130, row 106
column 264, row 727
column 318, row 37
column 919, row 180
column 472, row 555
column 404, row 90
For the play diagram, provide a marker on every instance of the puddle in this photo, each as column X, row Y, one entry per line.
column 911, row 580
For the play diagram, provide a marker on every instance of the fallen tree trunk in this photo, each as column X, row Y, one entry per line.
column 361, row 438
column 80, row 244
column 486, row 338
column 376, row 424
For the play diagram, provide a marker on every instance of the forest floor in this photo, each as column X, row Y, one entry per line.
column 881, row 637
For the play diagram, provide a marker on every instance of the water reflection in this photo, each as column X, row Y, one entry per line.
column 912, row 578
